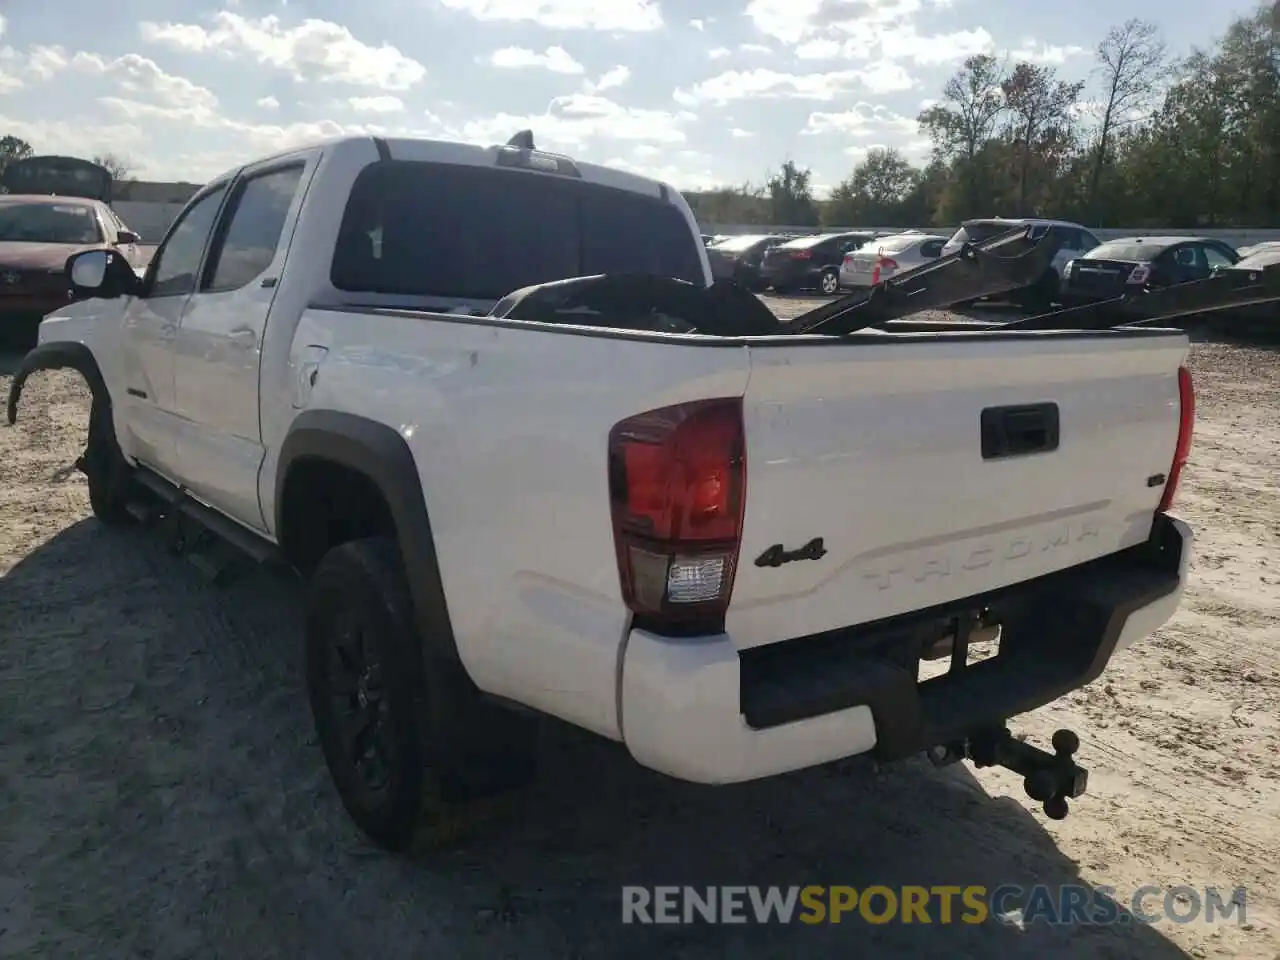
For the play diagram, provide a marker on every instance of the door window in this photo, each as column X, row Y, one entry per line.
column 251, row 229
column 177, row 261
column 931, row 248
column 1216, row 258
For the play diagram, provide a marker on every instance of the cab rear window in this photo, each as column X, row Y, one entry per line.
column 449, row 230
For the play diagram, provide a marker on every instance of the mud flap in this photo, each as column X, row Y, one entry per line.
column 60, row 356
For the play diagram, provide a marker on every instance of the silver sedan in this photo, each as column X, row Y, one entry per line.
column 883, row 258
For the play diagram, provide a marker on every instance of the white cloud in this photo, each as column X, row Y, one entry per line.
column 555, row 59
column 268, row 103
column 698, row 25
column 575, row 120
column 678, row 177
column 610, row 79
column 899, row 42
column 739, row 134
column 311, row 50
column 735, row 85
column 633, row 16
column 1046, row 53
column 718, row 53
column 861, row 120
column 383, row 104
column 755, row 48
column 134, row 74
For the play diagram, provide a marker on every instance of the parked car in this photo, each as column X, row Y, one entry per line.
column 37, row 235
column 738, row 258
column 1135, row 263
column 810, row 262
column 1074, row 240
column 1251, row 249
column 500, row 520
column 1263, row 318
column 882, row 258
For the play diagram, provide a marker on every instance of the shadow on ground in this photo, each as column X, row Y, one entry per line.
column 165, row 798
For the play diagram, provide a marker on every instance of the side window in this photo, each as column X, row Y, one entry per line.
column 1038, row 231
column 1216, row 257
column 1088, row 241
column 175, row 264
column 251, row 228
column 931, row 248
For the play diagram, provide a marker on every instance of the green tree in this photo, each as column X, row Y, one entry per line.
column 790, row 194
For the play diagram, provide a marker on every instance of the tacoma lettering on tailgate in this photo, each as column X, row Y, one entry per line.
column 964, row 559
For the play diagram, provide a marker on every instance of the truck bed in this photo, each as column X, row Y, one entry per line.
column 873, row 442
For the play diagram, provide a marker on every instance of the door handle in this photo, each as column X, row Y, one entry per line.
column 244, row 337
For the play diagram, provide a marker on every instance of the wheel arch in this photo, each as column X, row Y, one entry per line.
column 59, row 355
column 382, row 456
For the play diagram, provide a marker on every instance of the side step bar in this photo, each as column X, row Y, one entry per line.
column 199, row 533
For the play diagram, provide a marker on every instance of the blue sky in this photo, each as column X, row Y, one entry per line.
column 697, row 92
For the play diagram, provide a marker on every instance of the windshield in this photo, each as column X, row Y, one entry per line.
column 48, row 223
column 1126, row 250
column 738, row 244
column 478, row 233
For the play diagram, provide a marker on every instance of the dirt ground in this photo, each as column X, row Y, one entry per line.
column 163, row 795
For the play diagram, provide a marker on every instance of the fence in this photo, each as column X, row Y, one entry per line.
column 1238, row 237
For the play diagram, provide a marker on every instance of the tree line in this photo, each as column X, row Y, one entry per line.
column 1147, row 141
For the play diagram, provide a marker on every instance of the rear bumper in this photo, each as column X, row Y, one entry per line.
column 701, row 710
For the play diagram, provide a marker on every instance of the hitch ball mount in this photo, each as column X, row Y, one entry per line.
column 1050, row 778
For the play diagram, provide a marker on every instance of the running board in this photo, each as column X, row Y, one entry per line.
column 199, row 533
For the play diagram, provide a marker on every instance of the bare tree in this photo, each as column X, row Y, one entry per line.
column 121, row 168
column 1132, row 63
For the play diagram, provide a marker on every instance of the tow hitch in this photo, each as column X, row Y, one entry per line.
column 1050, row 778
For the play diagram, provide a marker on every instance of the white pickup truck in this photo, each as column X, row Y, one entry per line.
column 729, row 553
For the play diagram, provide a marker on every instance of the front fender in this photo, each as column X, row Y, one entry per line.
column 58, row 355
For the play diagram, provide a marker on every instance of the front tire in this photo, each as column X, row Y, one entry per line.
column 829, row 283
column 109, row 474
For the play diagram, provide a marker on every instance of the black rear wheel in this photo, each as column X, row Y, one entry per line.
column 374, row 706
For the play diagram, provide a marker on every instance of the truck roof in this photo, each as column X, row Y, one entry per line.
column 423, row 149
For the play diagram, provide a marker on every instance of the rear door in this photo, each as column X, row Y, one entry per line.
column 879, row 450
column 219, row 345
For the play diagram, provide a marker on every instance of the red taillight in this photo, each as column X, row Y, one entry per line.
column 677, row 489
column 1186, row 425
column 882, row 263
column 801, row 254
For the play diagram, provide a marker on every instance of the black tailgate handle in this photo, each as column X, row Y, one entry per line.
column 1018, row 431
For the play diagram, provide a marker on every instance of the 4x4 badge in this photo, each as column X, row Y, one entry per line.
column 777, row 555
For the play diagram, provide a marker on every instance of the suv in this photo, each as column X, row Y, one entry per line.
column 1039, row 296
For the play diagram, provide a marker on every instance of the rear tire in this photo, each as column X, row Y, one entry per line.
column 829, row 283
column 374, row 705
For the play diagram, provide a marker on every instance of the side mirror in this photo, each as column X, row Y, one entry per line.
column 128, row 236
column 100, row 273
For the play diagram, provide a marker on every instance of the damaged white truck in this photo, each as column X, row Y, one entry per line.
column 532, row 461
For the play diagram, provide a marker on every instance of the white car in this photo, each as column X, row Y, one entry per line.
column 729, row 553
column 887, row 256
column 1075, row 240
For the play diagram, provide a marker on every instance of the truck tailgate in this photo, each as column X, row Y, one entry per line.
column 879, row 450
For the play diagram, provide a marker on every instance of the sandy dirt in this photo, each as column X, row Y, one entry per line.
column 163, row 795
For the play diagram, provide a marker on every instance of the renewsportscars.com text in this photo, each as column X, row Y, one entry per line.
column 1069, row 904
